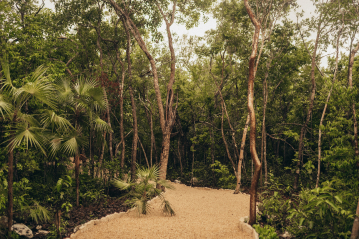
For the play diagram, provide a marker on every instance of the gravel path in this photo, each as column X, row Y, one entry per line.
column 200, row 213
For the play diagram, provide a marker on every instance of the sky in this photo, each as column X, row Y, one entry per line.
column 304, row 5
column 180, row 30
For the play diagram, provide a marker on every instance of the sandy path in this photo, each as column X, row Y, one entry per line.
column 200, row 213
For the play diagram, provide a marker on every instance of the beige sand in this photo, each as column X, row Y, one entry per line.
column 200, row 213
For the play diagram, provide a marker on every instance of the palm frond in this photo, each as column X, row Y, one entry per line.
column 40, row 88
column 165, row 184
column 50, row 118
column 64, row 91
column 27, row 119
column 5, row 107
column 28, row 135
column 39, row 213
column 70, row 146
column 7, row 82
column 121, row 184
column 167, row 209
column 101, row 125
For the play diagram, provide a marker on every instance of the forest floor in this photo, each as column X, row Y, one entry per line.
column 200, row 213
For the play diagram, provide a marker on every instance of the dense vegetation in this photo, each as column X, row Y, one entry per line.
column 94, row 87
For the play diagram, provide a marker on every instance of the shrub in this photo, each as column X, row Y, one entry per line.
column 266, row 232
column 143, row 190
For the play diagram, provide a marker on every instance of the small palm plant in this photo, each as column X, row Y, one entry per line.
column 144, row 189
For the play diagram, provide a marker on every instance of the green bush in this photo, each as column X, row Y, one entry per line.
column 275, row 210
column 226, row 179
column 266, row 232
column 325, row 212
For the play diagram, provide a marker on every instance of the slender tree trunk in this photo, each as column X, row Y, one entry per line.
column 212, row 154
column 264, row 132
column 10, row 196
column 225, row 143
column 194, row 133
column 77, row 172
column 133, row 103
column 241, row 157
column 144, row 153
column 166, row 122
column 252, row 136
column 355, row 229
column 311, row 102
column 58, row 222
column 350, row 80
column 108, row 122
column 100, row 167
column 179, row 156
column 325, row 108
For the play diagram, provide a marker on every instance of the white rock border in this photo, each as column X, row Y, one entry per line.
column 245, row 227
column 84, row 227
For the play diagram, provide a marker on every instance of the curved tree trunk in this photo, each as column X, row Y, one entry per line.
column 252, row 135
column 166, row 121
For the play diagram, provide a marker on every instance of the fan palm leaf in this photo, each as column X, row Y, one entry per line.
column 101, row 125
column 28, row 135
column 50, row 118
column 41, row 89
column 5, row 107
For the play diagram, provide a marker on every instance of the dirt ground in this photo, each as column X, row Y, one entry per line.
column 200, row 213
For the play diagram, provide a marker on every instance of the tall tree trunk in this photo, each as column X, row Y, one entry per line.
column 350, row 80
column 310, row 108
column 133, row 103
column 10, row 196
column 212, row 153
column 355, row 229
column 108, row 122
column 325, row 108
column 180, row 156
column 144, row 153
column 77, row 172
column 241, row 157
column 166, row 122
column 122, row 131
column 252, row 136
column 100, row 167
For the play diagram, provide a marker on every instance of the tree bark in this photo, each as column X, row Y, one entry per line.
column 311, row 102
column 10, row 196
column 252, row 136
column 325, row 108
column 108, row 122
column 77, row 171
column 241, row 157
column 355, row 229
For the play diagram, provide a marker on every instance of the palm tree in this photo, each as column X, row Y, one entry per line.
column 84, row 99
column 145, row 189
column 24, row 128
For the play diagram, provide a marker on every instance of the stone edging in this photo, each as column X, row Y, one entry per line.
column 84, row 227
column 245, row 227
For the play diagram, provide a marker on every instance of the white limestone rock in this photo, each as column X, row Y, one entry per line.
column 22, row 230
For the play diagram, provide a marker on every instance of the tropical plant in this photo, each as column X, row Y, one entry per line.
column 23, row 128
column 144, row 189
column 266, row 232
